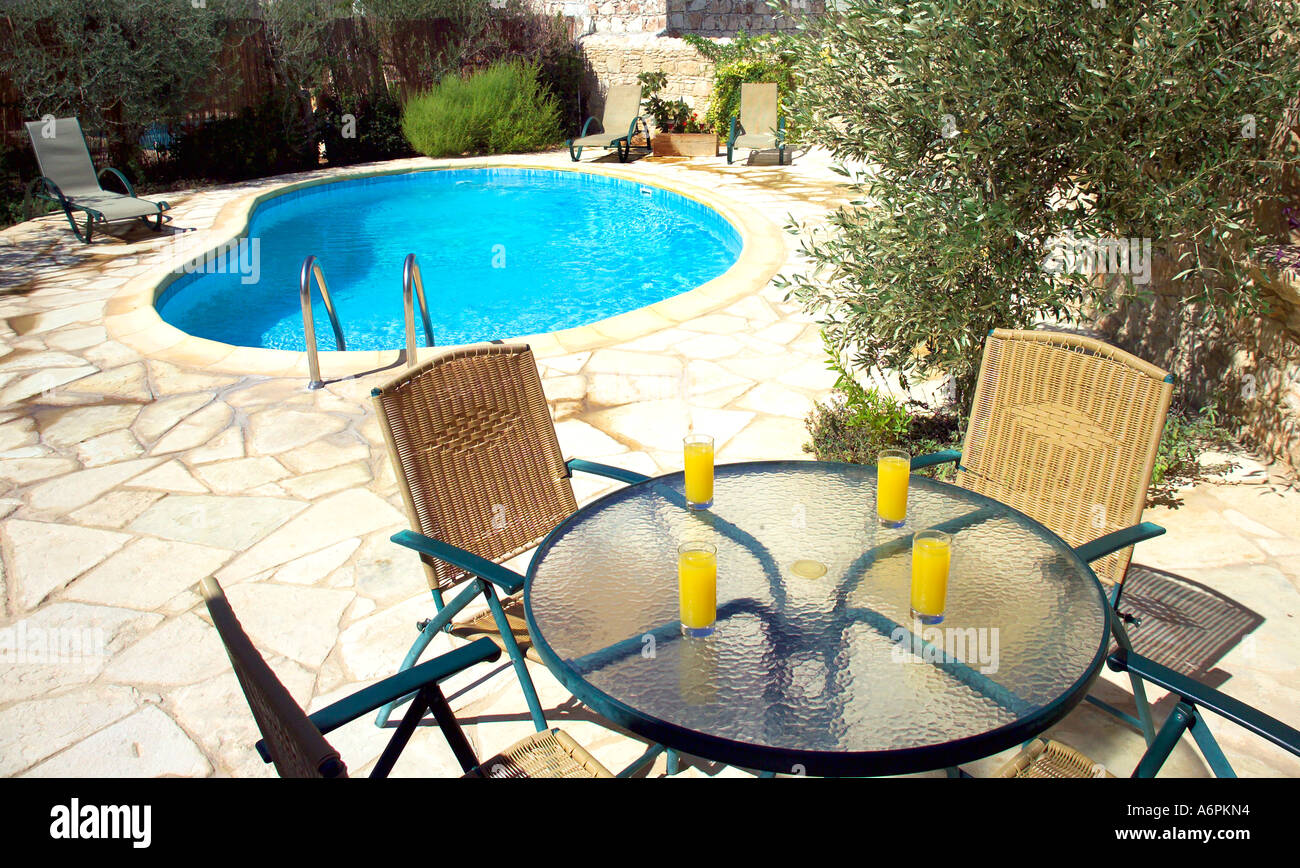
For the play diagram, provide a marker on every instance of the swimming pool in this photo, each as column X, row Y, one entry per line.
column 504, row 252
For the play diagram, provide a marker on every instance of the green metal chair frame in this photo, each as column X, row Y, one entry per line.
column 1194, row 698
column 81, row 190
column 1187, row 716
column 610, row 138
column 295, row 741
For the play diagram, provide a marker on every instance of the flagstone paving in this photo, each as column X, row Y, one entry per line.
column 125, row 479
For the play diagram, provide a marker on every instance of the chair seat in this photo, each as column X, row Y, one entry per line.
column 1046, row 758
column 759, row 141
column 597, row 140
column 549, row 754
column 116, row 207
column 485, row 625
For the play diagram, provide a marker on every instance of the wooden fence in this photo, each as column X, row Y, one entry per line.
column 358, row 64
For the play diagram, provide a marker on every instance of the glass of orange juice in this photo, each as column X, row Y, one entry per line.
column 931, row 557
column 698, row 449
column 697, row 587
column 893, row 467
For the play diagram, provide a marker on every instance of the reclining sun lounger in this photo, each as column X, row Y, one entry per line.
column 69, row 180
column 758, row 126
column 618, row 126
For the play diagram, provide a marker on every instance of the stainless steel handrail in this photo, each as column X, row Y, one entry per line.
column 309, row 267
column 411, row 276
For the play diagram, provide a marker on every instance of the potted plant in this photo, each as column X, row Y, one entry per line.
column 679, row 132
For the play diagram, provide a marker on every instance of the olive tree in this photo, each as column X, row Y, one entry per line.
column 116, row 64
column 986, row 134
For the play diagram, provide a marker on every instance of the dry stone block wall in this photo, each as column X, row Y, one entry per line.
column 622, row 38
column 618, row 59
column 672, row 17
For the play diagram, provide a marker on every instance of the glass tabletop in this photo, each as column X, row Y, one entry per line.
column 811, row 671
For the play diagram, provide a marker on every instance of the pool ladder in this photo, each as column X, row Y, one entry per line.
column 411, row 279
column 311, row 267
column 412, row 290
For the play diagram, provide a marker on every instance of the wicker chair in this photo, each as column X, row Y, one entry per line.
column 481, row 473
column 1065, row 428
column 1044, row 758
column 296, row 744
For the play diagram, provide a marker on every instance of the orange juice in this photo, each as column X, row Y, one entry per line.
column 892, row 472
column 931, row 557
column 697, row 586
column 699, row 470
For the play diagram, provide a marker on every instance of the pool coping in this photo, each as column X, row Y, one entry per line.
column 131, row 318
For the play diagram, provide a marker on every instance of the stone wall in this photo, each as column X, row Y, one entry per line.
column 617, row 59
column 608, row 16
column 1251, row 366
column 726, row 17
column 675, row 17
column 622, row 38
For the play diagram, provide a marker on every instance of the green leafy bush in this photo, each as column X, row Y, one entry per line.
column 116, row 66
column 994, row 128
column 745, row 60
column 857, row 422
column 1189, row 433
column 270, row 138
column 17, row 169
column 373, row 132
column 670, row 116
column 503, row 109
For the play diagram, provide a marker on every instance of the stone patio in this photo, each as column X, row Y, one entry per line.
column 124, row 479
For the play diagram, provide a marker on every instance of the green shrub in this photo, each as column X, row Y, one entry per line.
column 995, row 127
column 114, row 64
column 669, row 115
column 1189, row 432
column 375, row 127
column 503, row 109
column 857, row 422
column 270, row 138
column 18, row 169
column 745, row 60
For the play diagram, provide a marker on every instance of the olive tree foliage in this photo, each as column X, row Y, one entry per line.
column 116, row 64
column 423, row 57
column 420, row 40
column 297, row 36
column 982, row 132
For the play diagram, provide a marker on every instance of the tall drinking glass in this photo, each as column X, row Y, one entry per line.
column 697, row 587
column 698, row 452
column 893, row 468
column 931, row 558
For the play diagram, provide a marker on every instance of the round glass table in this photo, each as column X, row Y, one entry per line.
column 816, row 666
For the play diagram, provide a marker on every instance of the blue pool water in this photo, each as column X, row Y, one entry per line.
column 503, row 253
